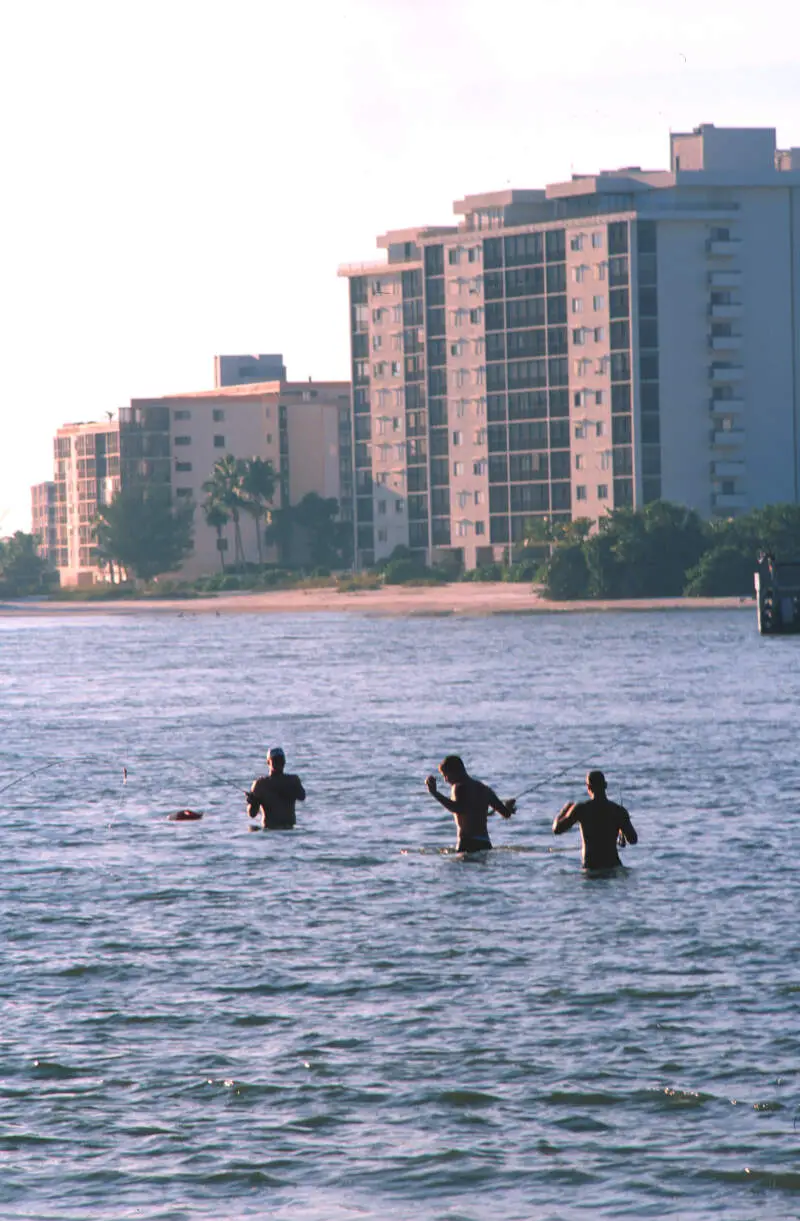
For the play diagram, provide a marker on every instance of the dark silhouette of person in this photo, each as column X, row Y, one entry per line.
column 604, row 825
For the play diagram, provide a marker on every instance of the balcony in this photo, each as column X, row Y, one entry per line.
column 722, row 249
column 727, row 470
column 733, row 500
column 733, row 309
column 726, row 406
column 725, row 373
column 725, row 343
column 728, row 438
column 725, row 279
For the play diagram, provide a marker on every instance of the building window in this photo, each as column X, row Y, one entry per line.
column 580, row 462
column 605, row 461
column 399, row 505
column 183, row 492
column 580, row 431
column 183, row 440
column 458, row 468
column 457, row 438
column 476, row 316
column 577, row 305
column 474, row 254
column 377, row 342
column 599, row 397
column 219, row 442
column 383, row 536
column 597, row 240
column 182, row 415
column 599, row 428
column 598, row 303
column 600, row 271
column 580, row 492
column 397, row 313
column 184, row 467
column 480, row 436
column 269, row 438
column 395, row 368
column 479, row 467
column 217, row 415
column 577, row 335
column 578, row 274
column 480, row 527
column 453, row 256
column 599, row 334
column 381, row 508
column 602, row 491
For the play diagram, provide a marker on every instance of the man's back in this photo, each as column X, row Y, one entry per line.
column 277, row 795
column 601, row 821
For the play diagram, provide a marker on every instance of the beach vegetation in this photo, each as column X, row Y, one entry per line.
column 143, row 534
column 23, row 572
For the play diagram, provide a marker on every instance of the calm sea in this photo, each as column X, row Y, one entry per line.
column 346, row 1022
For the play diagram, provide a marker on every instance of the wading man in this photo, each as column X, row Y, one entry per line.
column 604, row 825
column 470, row 802
column 276, row 794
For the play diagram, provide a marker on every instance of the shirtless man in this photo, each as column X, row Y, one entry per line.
column 604, row 825
column 275, row 794
column 470, row 802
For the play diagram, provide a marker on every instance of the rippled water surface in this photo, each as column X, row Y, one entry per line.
column 343, row 1021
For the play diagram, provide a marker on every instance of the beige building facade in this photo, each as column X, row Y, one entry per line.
column 302, row 428
column 557, row 353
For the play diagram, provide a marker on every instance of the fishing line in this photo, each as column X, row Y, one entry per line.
column 34, row 772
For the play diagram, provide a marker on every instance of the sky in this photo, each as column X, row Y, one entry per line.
column 182, row 178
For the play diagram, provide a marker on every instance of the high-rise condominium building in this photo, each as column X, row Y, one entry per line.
column 623, row 337
column 302, row 428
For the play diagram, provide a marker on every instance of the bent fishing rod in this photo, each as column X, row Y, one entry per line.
column 540, row 784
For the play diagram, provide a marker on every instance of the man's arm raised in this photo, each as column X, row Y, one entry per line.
column 566, row 818
column 430, row 785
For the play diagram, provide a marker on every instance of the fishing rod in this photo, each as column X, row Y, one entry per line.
column 540, row 784
column 214, row 775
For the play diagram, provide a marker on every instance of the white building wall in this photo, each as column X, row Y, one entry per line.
column 591, row 474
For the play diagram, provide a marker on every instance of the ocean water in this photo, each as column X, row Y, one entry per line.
column 348, row 1021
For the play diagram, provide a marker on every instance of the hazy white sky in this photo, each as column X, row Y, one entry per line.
column 182, row 177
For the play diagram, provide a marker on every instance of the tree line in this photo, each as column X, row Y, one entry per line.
column 143, row 534
column 663, row 550
column 23, row 572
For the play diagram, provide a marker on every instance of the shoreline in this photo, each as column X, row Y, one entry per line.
column 477, row 599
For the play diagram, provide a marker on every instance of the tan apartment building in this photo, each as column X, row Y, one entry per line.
column 302, row 428
column 623, row 337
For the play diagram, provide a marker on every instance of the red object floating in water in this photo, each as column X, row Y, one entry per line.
column 185, row 816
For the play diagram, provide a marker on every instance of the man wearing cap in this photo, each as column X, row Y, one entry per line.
column 275, row 794
column 604, row 825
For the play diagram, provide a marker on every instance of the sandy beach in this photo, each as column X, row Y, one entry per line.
column 456, row 599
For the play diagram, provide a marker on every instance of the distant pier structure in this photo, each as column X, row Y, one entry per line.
column 778, row 596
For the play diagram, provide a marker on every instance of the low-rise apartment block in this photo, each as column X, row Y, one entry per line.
column 302, row 428
column 622, row 337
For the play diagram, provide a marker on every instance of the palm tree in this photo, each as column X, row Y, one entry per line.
column 258, row 488
column 217, row 518
column 224, row 488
